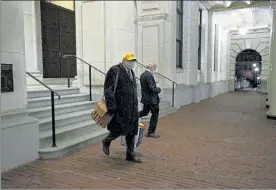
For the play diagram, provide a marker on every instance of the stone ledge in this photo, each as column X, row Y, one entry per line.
column 159, row 16
column 16, row 118
column 19, row 139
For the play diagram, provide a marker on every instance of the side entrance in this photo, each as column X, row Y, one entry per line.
column 58, row 29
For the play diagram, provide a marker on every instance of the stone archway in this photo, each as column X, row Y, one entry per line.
column 258, row 40
column 248, row 68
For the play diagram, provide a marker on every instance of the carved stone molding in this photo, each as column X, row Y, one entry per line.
column 159, row 16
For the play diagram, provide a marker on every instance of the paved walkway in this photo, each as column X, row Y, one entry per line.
column 224, row 142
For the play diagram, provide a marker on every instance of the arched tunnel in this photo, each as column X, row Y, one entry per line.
column 248, row 69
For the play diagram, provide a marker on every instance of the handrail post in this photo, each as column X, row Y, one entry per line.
column 90, row 88
column 53, row 119
column 68, row 72
column 173, row 95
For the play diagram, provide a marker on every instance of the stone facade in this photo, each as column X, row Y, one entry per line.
column 257, row 39
column 105, row 30
column 19, row 133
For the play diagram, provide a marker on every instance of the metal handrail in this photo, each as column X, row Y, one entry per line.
column 173, row 82
column 91, row 66
column 66, row 56
column 42, row 83
column 157, row 73
column 53, row 93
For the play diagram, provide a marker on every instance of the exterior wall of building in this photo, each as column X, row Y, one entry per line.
column 19, row 133
column 157, row 42
column 33, row 40
column 259, row 40
column 105, row 31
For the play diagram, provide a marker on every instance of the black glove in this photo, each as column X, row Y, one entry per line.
column 159, row 89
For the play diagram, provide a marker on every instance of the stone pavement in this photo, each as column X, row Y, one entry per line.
column 224, row 142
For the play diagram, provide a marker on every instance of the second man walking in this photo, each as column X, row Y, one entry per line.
column 150, row 98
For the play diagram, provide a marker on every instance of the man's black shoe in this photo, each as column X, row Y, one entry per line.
column 133, row 159
column 105, row 148
column 152, row 135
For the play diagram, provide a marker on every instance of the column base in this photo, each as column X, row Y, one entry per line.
column 31, row 81
column 20, row 139
column 271, row 116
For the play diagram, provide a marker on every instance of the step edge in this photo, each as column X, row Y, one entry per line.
column 80, row 140
column 61, row 130
column 60, row 106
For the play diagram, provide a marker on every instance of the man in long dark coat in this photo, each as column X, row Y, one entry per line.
column 123, row 104
column 150, row 98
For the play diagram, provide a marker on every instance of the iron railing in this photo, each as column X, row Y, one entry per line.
column 173, row 82
column 91, row 66
column 53, row 93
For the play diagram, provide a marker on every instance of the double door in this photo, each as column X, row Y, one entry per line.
column 58, row 38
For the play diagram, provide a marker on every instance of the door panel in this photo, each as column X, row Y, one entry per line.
column 68, row 41
column 50, row 40
column 58, row 38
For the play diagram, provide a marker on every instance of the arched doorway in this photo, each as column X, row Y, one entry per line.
column 248, row 70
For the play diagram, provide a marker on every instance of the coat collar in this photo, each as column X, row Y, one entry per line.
column 126, row 75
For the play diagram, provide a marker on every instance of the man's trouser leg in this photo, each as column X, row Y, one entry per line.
column 154, row 118
column 107, row 141
column 130, row 154
column 145, row 111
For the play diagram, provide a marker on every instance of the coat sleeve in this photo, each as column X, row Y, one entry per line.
column 108, row 91
column 152, row 85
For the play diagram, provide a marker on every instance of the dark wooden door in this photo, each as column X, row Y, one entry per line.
column 58, row 38
column 68, row 41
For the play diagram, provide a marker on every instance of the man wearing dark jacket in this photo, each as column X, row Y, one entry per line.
column 123, row 104
column 150, row 98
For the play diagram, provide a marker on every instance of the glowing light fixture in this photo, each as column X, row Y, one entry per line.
column 258, row 78
column 228, row 3
column 243, row 31
column 248, row 2
column 256, row 69
column 254, row 64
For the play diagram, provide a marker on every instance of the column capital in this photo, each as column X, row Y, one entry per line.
column 273, row 5
column 210, row 14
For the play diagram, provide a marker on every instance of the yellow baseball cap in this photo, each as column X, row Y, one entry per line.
column 129, row 56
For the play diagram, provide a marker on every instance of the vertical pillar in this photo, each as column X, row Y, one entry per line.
column 31, row 43
column 211, row 36
column 271, row 114
column 18, row 130
column 210, row 48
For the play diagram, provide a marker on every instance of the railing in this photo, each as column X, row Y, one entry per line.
column 91, row 66
column 173, row 82
column 53, row 93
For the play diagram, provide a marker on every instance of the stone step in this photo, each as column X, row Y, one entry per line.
column 44, row 92
column 73, row 144
column 67, row 132
column 46, row 101
column 64, row 119
column 44, row 112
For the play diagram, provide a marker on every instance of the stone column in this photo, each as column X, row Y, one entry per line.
column 271, row 49
column 31, row 31
column 271, row 114
column 268, row 81
column 17, row 129
column 210, row 53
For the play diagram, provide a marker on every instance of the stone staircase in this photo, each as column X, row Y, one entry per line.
column 74, row 127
